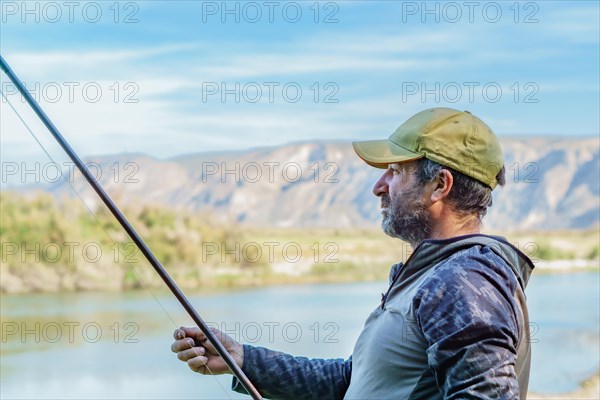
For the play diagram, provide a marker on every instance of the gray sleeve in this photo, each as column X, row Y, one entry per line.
column 278, row 375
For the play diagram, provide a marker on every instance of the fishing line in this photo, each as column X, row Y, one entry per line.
column 92, row 214
column 147, row 287
column 124, row 223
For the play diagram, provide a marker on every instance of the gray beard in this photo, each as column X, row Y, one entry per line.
column 407, row 218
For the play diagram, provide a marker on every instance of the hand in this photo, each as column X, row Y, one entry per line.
column 192, row 346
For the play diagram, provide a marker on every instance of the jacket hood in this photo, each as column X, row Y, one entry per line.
column 432, row 251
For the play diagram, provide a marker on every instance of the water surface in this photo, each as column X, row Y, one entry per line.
column 117, row 345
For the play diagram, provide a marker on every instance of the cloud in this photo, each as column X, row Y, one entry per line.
column 52, row 65
column 369, row 65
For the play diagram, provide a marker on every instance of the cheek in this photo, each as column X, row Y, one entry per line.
column 400, row 186
column 394, row 192
column 407, row 193
column 398, row 196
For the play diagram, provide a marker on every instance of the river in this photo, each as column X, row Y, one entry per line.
column 117, row 345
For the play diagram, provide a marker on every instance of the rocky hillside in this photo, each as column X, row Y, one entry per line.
column 552, row 183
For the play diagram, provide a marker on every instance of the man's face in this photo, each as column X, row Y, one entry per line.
column 405, row 214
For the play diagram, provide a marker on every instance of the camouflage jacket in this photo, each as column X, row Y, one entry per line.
column 452, row 325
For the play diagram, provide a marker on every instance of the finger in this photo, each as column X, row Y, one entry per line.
column 183, row 344
column 209, row 347
column 194, row 332
column 198, row 364
column 186, row 355
column 178, row 334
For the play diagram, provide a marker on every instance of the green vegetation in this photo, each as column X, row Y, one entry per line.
column 594, row 253
column 546, row 251
column 43, row 234
column 557, row 245
column 50, row 245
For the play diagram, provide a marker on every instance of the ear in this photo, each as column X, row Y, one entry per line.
column 442, row 184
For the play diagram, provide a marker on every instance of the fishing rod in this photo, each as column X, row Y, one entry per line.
column 233, row 366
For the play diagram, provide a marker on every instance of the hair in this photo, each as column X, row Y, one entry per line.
column 467, row 196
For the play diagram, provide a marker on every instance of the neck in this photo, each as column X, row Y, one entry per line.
column 455, row 226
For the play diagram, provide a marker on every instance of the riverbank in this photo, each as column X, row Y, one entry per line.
column 95, row 277
column 266, row 257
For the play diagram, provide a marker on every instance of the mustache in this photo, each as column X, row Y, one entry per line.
column 385, row 200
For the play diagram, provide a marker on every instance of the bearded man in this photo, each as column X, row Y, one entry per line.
column 453, row 323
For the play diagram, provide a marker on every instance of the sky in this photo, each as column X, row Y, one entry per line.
column 166, row 78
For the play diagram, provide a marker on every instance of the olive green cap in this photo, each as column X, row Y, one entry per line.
column 452, row 138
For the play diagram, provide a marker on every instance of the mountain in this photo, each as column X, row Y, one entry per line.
column 552, row 183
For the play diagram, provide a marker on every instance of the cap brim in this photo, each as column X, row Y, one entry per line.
column 381, row 153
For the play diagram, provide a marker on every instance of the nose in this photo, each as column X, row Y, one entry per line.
column 381, row 186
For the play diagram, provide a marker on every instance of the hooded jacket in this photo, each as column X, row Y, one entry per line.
column 452, row 325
